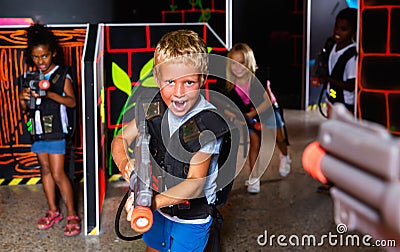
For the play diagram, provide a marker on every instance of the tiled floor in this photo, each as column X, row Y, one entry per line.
column 285, row 206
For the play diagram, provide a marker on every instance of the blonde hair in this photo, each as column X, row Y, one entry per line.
column 249, row 62
column 182, row 46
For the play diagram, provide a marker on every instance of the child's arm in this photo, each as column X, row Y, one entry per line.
column 189, row 188
column 119, row 149
column 69, row 96
column 264, row 105
column 24, row 96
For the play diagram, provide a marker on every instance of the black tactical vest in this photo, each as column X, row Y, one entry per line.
column 173, row 154
column 336, row 92
column 50, row 116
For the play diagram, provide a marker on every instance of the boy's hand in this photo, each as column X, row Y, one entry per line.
column 129, row 206
column 127, row 170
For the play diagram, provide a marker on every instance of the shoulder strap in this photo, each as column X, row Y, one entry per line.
column 59, row 74
column 192, row 134
column 151, row 108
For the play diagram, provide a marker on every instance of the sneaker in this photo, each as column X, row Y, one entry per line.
column 284, row 166
column 253, row 185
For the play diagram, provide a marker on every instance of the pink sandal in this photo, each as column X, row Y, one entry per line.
column 50, row 219
column 73, row 226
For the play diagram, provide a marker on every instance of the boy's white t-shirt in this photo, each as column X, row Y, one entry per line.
column 350, row 71
column 174, row 122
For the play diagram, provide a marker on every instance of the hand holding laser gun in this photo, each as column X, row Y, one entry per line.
column 142, row 216
column 362, row 161
column 36, row 84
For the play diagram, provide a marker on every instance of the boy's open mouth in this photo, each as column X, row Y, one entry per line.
column 179, row 105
